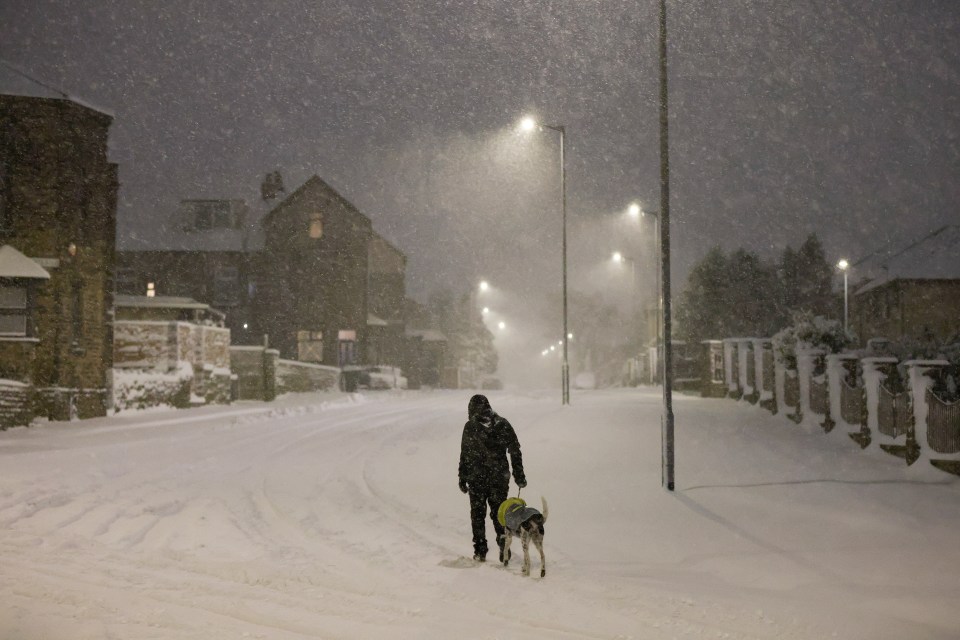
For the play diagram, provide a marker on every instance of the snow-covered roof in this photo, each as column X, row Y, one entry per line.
column 427, row 335
column 934, row 257
column 169, row 235
column 14, row 264
column 161, row 302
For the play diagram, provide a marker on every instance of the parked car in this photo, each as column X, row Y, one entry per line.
column 382, row 377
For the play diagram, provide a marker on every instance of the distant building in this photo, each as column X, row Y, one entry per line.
column 58, row 201
column 304, row 272
column 910, row 292
column 313, row 294
column 209, row 253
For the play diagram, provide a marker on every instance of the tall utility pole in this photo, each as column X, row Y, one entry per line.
column 529, row 124
column 667, row 418
column 565, row 375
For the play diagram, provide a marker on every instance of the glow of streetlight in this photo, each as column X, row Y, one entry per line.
column 634, row 210
column 484, row 285
column 617, row 257
column 502, row 325
column 528, row 124
column 569, row 336
column 485, row 311
column 843, row 265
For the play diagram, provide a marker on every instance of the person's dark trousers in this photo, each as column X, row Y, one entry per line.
column 479, row 500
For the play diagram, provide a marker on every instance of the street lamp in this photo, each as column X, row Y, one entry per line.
column 844, row 266
column 529, row 124
column 484, row 285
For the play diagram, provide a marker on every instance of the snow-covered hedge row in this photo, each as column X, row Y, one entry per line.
column 810, row 332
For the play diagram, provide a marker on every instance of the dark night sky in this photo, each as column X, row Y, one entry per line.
column 840, row 117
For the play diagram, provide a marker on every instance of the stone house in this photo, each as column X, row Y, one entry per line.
column 911, row 292
column 313, row 289
column 58, row 200
column 309, row 276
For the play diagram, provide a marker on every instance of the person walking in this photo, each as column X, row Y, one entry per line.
column 484, row 471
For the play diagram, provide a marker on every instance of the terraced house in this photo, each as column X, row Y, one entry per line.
column 58, row 201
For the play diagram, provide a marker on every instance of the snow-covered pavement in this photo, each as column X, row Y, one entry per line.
column 339, row 516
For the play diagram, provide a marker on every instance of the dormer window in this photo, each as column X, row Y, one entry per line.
column 316, row 225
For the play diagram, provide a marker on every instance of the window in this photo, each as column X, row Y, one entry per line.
column 13, row 310
column 203, row 218
column 127, row 281
column 226, row 286
column 310, row 346
column 151, row 290
column 203, row 215
column 316, row 225
column 346, row 347
column 717, row 368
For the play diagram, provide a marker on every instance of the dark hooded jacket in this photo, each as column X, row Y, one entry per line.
column 487, row 439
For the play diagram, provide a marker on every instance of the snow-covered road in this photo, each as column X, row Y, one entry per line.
column 339, row 516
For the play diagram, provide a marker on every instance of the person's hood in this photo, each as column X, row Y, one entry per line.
column 479, row 410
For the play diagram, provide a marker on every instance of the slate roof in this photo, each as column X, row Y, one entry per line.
column 933, row 257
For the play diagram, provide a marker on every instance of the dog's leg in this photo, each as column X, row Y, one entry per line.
column 507, row 539
column 525, row 539
column 538, row 540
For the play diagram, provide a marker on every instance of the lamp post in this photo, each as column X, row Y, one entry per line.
column 667, row 470
column 529, row 124
column 844, row 266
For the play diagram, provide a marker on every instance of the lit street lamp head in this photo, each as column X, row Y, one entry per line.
column 484, row 285
column 843, row 265
column 617, row 257
column 528, row 124
column 634, row 210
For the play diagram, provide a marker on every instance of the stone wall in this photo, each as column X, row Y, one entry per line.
column 174, row 363
column 14, row 403
column 293, row 376
column 262, row 375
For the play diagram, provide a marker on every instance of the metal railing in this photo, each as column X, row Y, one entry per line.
column 943, row 424
column 893, row 413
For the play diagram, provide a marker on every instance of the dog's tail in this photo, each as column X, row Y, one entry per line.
column 543, row 501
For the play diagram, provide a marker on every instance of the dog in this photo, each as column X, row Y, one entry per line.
column 527, row 523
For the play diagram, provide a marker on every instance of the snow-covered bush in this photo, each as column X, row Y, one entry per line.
column 810, row 332
column 141, row 389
